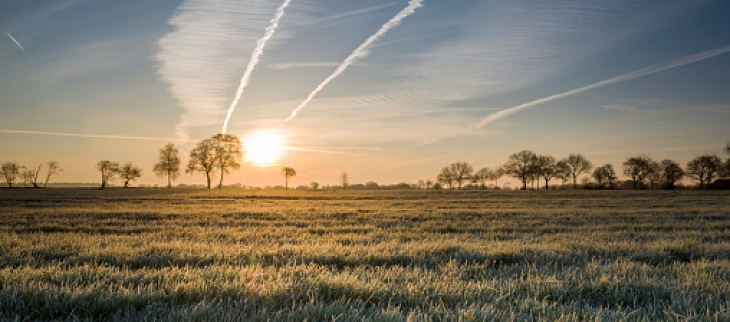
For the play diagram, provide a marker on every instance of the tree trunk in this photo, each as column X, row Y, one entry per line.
column 524, row 183
column 126, row 184
column 574, row 178
column 207, row 176
column 546, row 184
column 220, row 185
column 286, row 183
column 169, row 181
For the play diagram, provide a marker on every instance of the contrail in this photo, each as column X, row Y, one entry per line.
column 360, row 52
column 618, row 79
column 255, row 56
column 147, row 138
column 16, row 42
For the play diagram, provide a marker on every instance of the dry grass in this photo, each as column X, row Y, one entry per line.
column 180, row 255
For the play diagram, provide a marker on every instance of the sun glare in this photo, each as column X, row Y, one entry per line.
column 263, row 148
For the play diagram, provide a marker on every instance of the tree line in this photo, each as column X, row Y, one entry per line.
column 222, row 152
column 527, row 166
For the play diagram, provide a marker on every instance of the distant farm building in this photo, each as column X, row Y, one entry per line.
column 721, row 184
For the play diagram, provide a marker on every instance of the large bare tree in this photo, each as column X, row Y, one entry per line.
column 227, row 153
column 129, row 172
column 10, row 171
column 446, row 177
column 605, row 175
column 704, row 168
column 546, row 167
column 521, row 165
column 638, row 168
column 287, row 172
column 461, row 172
column 168, row 163
column 109, row 170
column 482, row 176
column 576, row 164
column 202, row 159
column 671, row 172
column 53, row 168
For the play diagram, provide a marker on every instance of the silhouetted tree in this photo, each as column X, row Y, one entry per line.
column 345, row 180
column 482, row 176
column 521, row 165
column 704, row 168
column 287, row 172
column 727, row 148
column 53, row 168
column 461, row 172
column 605, row 175
column 638, row 168
column 314, row 185
column 227, row 153
column 575, row 165
column 109, row 170
column 30, row 176
column 202, row 159
column 497, row 174
column 168, row 163
column 546, row 168
column 129, row 172
column 446, row 177
column 10, row 172
column 671, row 172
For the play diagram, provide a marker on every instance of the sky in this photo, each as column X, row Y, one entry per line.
column 609, row 79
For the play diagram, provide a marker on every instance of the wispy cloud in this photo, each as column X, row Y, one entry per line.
column 614, row 80
column 305, row 65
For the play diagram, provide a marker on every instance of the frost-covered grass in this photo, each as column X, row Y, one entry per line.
column 181, row 255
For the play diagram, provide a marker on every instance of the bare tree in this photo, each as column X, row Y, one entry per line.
column 497, row 174
column 287, row 172
column 461, row 172
column 53, row 168
column 446, row 177
column 168, row 163
column 575, row 165
column 202, row 159
column 482, row 176
column 638, row 168
column 30, row 176
column 109, row 170
column 227, row 153
column 605, row 175
column 671, row 172
column 27, row 176
column 314, row 185
column 546, row 167
column 521, row 165
column 345, row 180
column 10, row 172
column 129, row 172
column 704, row 168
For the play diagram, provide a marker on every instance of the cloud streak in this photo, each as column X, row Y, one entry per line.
column 618, row 79
column 16, row 42
column 255, row 57
column 360, row 52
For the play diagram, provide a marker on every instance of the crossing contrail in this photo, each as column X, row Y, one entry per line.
column 255, row 56
column 618, row 79
column 360, row 52
column 16, row 42
column 100, row 136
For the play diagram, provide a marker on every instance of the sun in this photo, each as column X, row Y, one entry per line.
column 263, row 148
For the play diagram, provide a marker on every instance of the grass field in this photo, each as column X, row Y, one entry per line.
column 230, row 255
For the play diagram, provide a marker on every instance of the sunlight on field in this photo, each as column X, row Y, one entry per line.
column 170, row 255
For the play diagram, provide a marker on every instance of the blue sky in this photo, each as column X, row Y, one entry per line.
column 170, row 69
